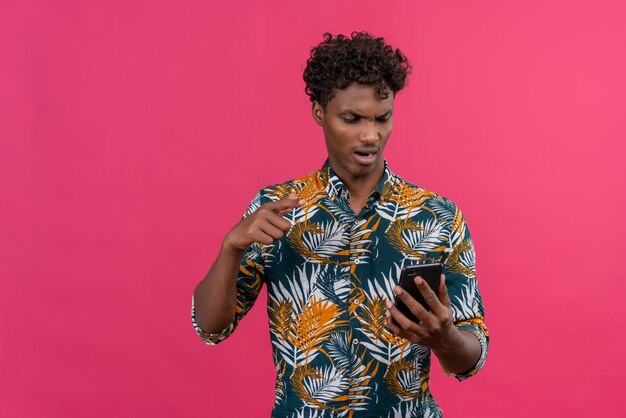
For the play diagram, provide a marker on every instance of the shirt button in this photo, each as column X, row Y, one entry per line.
column 356, row 301
column 355, row 341
column 357, row 261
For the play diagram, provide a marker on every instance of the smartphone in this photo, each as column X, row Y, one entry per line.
column 431, row 273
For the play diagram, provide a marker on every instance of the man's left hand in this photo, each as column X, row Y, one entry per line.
column 436, row 329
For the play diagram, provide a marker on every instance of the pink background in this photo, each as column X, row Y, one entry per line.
column 133, row 135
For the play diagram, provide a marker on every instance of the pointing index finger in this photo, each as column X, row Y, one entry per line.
column 284, row 206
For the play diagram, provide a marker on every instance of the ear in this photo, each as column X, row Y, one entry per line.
column 318, row 113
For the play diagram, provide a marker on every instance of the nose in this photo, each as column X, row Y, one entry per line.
column 369, row 134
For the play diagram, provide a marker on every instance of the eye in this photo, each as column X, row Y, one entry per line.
column 384, row 118
column 351, row 120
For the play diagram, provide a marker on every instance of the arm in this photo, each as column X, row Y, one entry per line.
column 453, row 329
column 457, row 350
column 235, row 276
column 215, row 297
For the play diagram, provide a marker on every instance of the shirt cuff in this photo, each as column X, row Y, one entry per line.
column 482, row 335
column 207, row 337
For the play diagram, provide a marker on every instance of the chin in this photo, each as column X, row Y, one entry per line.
column 358, row 169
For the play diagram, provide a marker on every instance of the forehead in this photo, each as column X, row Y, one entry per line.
column 360, row 98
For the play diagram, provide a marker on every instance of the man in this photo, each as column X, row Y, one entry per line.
column 330, row 248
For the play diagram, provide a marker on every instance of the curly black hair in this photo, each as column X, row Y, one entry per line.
column 336, row 62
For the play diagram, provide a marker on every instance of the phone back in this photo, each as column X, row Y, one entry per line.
column 431, row 273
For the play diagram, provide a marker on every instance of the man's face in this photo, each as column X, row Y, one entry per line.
column 357, row 124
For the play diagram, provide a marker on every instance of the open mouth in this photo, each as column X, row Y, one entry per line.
column 365, row 156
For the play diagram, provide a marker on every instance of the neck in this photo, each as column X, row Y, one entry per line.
column 360, row 186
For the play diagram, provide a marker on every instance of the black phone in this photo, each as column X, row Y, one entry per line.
column 431, row 273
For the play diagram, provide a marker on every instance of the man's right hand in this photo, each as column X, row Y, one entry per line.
column 265, row 225
column 215, row 297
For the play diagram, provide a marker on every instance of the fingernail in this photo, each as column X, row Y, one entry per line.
column 418, row 280
column 301, row 202
column 397, row 291
column 388, row 314
column 389, row 305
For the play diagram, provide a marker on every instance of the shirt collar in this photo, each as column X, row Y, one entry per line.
column 335, row 187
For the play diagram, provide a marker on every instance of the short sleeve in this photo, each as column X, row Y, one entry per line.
column 250, row 279
column 467, row 306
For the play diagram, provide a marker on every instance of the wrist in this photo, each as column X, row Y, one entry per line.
column 229, row 249
column 451, row 340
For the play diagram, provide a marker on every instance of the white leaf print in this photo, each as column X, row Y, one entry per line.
column 254, row 205
column 301, row 214
column 382, row 351
column 445, row 208
column 333, row 284
column 391, row 210
column 331, row 240
column 374, row 288
column 425, row 239
column 462, row 303
column 339, row 349
column 308, row 412
column 299, row 287
column 468, row 260
column 331, row 384
column 292, row 355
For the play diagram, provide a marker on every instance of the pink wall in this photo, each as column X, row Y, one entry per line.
column 133, row 135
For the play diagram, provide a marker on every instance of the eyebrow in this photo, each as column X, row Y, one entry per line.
column 357, row 114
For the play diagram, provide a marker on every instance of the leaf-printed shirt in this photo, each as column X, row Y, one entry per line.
column 328, row 280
